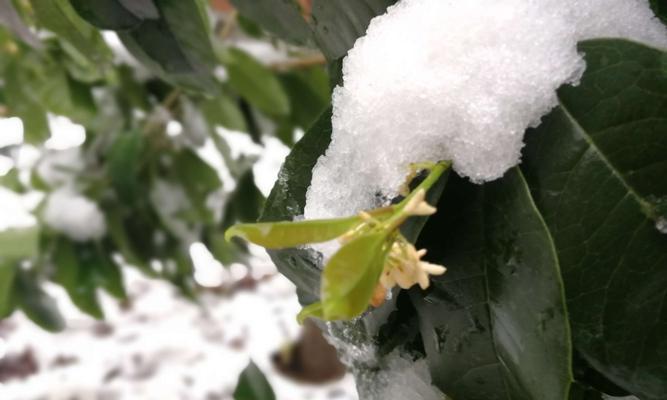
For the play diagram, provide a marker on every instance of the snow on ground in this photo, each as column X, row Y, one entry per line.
column 456, row 80
column 161, row 347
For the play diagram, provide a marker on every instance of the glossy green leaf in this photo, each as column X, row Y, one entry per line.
column 280, row 235
column 256, row 83
column 308, row 92
column 351, row 275
column 59, row 17
column 338, row 24
column 597, row 168
column 253, row 385
column 282, row 18
column 36, row 303
column 19, row 243
column 494, row 326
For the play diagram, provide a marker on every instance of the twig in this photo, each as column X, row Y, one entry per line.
column 299, row 63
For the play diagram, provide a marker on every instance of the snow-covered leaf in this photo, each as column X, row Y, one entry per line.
column 253, row 385
column 597, row 168
column 494, row 326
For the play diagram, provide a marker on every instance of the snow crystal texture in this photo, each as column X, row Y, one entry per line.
column 456, row 80
column 74, row 215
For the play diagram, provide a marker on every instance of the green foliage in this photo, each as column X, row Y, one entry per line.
column 253, row 385
column 282, row 18
column 157, row 192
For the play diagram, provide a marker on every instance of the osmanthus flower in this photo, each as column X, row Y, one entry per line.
column 373, row 258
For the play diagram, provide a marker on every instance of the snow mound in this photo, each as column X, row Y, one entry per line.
column 456, row 80
column 74, row 215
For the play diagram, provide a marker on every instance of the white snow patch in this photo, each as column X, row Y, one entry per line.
column 661, row 225
column 267, row 167
column 74, row 215
column 11, row 131
column 65, row 134
column 456, row 80
column 15, row 211
column 60, row 167
column 401, row 378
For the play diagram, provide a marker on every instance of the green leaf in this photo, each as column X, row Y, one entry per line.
column 19, row 243
column 597, row 167
column 124, row 162
column 25, row 106
column 253, row 385
column 175, row 46
column 280, row 235
column 282, row 18
column 256, row 83
column 245, row 202
column 314, row 310
column 660, row 9
column 199, row 180
column 107, row 14
column 287, row 199
column 338, row 24
column 223, row 111
column 7, row 274
column 59, row 17
column 37, row 304
column 77, row 275
column 350, row 277
column 308, row 91
column 495, row 325
column 12, row 20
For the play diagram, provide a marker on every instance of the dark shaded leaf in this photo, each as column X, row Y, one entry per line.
column 660, row 9
column 494, row 326
column 77, row 275
column 106, row 14
column 253, row 385
column 282, row 18
column 37, row 304
column 338, row 24
column 123, row 165
column 596, row 167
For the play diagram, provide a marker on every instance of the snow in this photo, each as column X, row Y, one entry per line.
column 74, row 215
column 396, row 376
column 60, row 167
column 456, row 80
column 65, row 134
column 11, row 130
column 15, row 210
column 661, row 225
column 164, row 348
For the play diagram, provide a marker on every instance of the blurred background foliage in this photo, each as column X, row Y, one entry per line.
column 153, row 89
